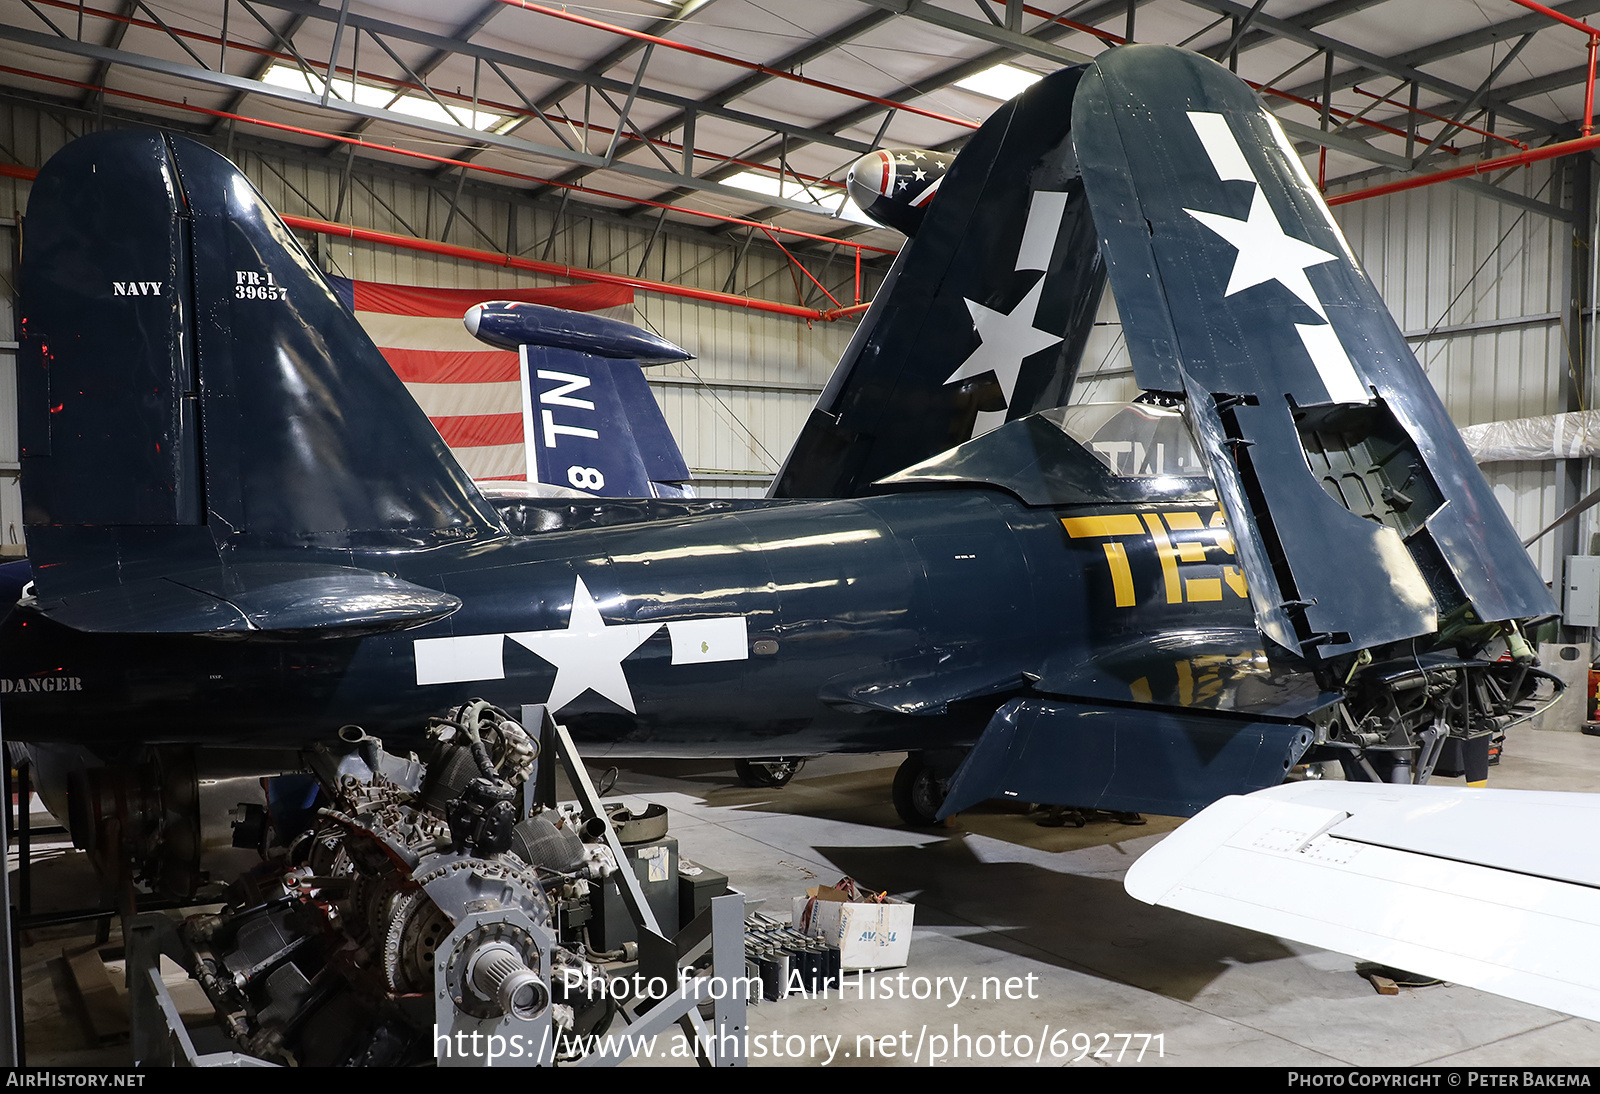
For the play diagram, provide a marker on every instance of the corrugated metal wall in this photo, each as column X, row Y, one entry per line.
column 27, row 137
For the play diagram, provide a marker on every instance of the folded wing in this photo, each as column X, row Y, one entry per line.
column 1334, row 458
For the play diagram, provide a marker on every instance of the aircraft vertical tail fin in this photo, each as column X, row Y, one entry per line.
column 193, row 397
column 983, row 317
column 1333, row 456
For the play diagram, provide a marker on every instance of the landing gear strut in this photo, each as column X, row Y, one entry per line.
column 775, row 772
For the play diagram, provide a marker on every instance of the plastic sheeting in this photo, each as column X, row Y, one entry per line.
column 1547, row 437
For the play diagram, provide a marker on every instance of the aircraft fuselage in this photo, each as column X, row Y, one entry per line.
column 877, row 624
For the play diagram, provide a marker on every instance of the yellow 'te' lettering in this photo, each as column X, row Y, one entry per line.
column 1169, row 552
column 1121, row 524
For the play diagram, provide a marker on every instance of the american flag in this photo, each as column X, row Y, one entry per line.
column 471, row 391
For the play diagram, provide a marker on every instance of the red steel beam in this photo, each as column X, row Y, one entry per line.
column 1482, row 167
column 1588, row 87
column 571, row 273
column 1575, row 24
column 515, row 262
column 1594, row 48
column 1438, row 118
column 1334, row 111
column 840, row 313
column 1104, row 35
column 801, row 266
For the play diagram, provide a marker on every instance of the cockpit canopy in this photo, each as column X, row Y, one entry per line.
column 1133, row 440
column 1091, row 453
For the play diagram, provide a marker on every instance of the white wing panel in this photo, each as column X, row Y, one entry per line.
column 1277, row 862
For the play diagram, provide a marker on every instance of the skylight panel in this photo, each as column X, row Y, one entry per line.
column 401, row 102
column 1003, row 82
column 827, row 200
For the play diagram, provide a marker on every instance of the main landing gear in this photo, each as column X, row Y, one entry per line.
column 775, row 772
column 919, row 790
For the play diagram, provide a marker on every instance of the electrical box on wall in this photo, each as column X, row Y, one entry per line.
column 1581, row 603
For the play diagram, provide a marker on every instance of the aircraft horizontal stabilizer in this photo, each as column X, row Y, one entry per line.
column 290, row 598
column 1134, row 759
column 1461, row 884
column 1333, row 456
column 513, row 323
column 1037, row 460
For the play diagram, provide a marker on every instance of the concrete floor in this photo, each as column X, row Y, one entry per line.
column 997, row 895
column 1041, row 908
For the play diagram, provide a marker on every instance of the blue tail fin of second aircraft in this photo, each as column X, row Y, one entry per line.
column 590, row 422
column 197, row 411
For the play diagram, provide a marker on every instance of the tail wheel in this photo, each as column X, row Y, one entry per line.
column 768, row 773
column 919, row 791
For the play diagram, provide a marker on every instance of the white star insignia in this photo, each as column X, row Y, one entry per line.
column 919, row 174
column 1266, row 253
column 1007, row 338
column 587, row 654
column 902, row 159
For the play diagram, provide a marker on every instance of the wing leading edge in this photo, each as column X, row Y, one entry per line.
column 1334, row 458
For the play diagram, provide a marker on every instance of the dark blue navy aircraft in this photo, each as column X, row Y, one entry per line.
column 245, row 534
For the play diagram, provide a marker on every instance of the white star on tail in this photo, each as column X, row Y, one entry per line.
column 1007, row 338
column 1265, row 252
column 587, row 654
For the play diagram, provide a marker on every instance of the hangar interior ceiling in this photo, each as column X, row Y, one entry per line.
column 703, row 145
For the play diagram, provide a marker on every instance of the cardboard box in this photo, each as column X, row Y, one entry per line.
column 869, row 936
